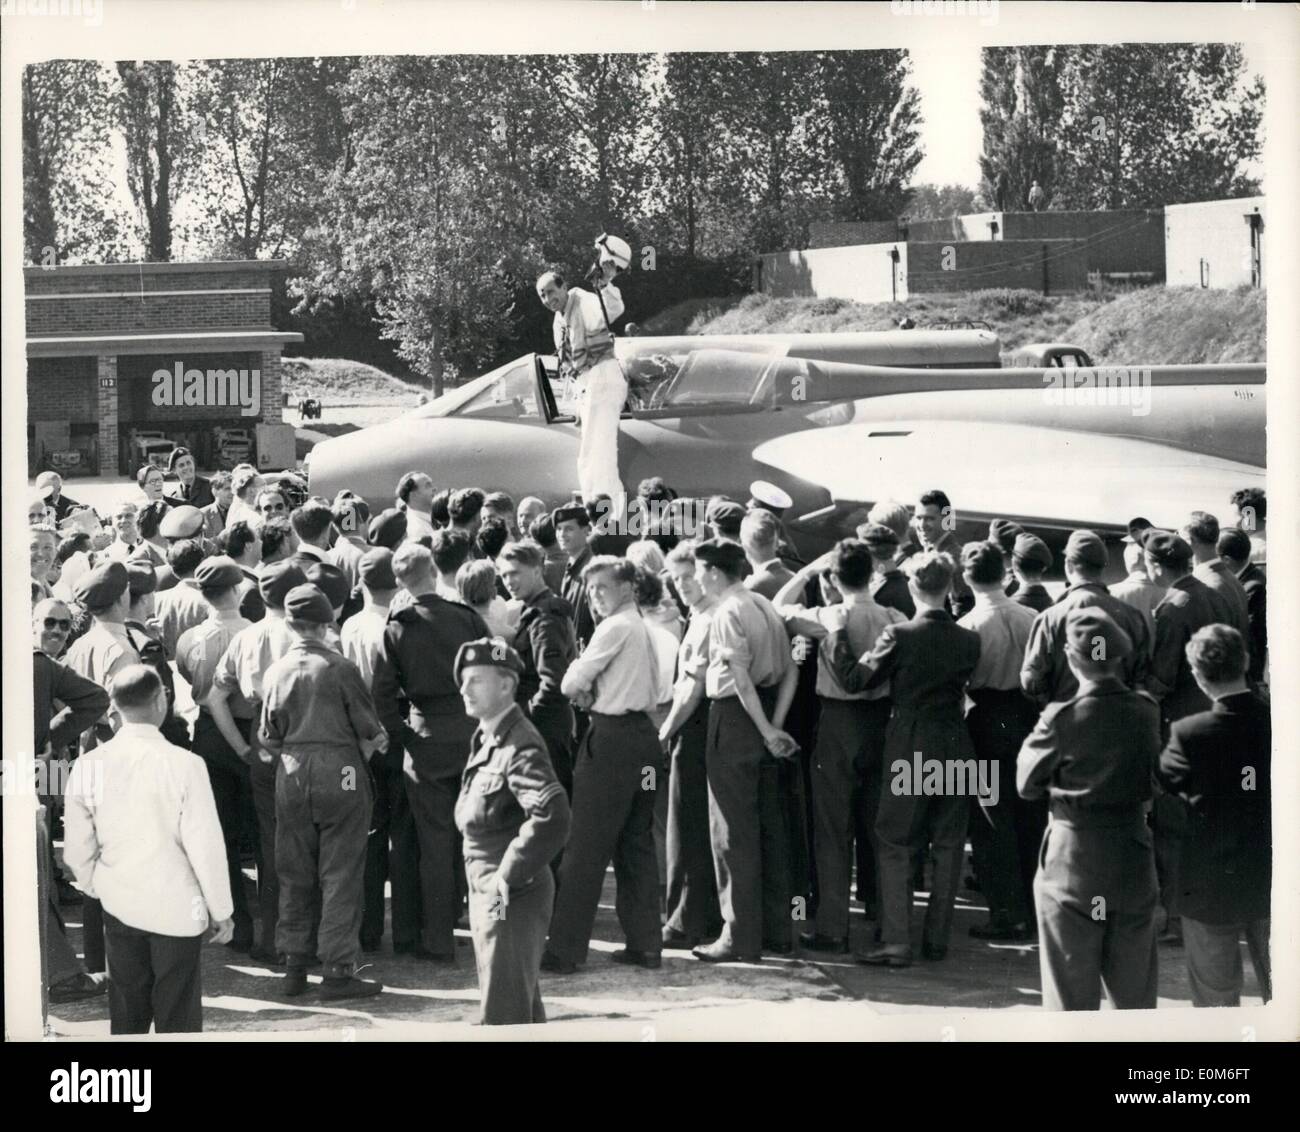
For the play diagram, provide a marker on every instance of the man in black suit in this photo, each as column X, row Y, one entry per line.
column 572, row 526
column 1217, row 762
column 1235, row 550
column 50, row 484
column 927, row 662
column 190, row 487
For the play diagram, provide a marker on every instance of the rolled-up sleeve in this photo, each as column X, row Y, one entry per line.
column 606, row 642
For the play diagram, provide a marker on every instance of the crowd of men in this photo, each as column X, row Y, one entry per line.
column 481, row 706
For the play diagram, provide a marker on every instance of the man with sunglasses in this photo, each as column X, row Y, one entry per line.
column 271, row 503
column 65, row 705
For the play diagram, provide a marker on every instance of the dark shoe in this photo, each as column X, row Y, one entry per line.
column 673, row 938
column 294, row 982
column 263, row 955
column 1003, row 932
column 436, row 956
column 554, row 965
column 812, row 941
column 887, row 955
column 720, row 951
column 648, row 959
column 78, row 987
column 348, row 986
column 241, row 946
column 933, row 953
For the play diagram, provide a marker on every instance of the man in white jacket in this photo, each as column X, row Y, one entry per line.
column 584, row 343
column 142, row 836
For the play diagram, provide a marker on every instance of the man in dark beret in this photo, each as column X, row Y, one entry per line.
column 198, row 653
column 1046, row 676
column 1093, row 756
column 319, row 722
column 1030, row 561
column 514, row 816
column 388, row 528
column 235, row 701
column 889, row 583
column 182, row 521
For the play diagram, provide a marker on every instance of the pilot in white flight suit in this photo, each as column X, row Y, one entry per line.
column 594, row 379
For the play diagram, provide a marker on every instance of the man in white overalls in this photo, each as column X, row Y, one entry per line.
column 594, row 387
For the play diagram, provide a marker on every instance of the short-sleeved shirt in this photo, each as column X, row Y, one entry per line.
column 1003, row 626
column 748, row 631
column 693, row 652
column 867, row 620
column 362, row 639
column 200, row 649
column 246, row 659
column 178, row 609
column 101, row 652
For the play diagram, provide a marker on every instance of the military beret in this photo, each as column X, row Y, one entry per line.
column 102, row 586
column 331, row 581
column 388, row 528
column 277, row 580
column 724, row 511
column 571, row 511
column 1033, row 551
column 1137, row 529
column 973, row 553
column 1086, row 548
column 218, row 573
column 376, row 569
column 1092, row 633
column 878, row 535
column 1004, row 532
column 167, row 579
column 141, row 577
column 307, row 603
column 1167, row 548
column 491, row 651
column 182, row 521
column 768, row 495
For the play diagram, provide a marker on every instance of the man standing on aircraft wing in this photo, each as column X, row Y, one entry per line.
column 584, row 342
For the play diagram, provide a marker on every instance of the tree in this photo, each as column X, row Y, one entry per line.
column 151, row 118
column 939, row 202
column 68, row 210
column 867, row 123
column 1020, row 113
column 1145, row 125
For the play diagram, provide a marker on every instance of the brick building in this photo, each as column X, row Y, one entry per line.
column 182, row 352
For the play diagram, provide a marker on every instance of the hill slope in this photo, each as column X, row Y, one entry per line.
column 1156, row 325
column 338, row 381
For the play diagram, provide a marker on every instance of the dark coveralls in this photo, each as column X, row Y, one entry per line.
column 927, row 662
column 416, row 662
column 316, row 713
column 514, row 816
column 1094, row 757
column 546, row 644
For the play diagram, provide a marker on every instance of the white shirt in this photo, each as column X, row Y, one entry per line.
column 620, row 665
column 362, row 636
column 418, row 524
column 665, row 646
column 142, row 835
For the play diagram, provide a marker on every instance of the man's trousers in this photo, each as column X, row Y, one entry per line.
column 905, row 823
column 1214, row 960
column 262, row 778
column 323, row 800
column 617, row 773
column 1096, row 897
column 509, row 941
column 442, row 866
column 153, row 980
column 692, row 887
column 392, row 855
column 602, row 404
column 748, row 828
column 999, row 723
column 232, row 790
column 846, row 767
